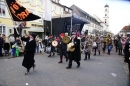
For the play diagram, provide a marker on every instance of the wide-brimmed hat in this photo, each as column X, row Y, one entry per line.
column 33, row 35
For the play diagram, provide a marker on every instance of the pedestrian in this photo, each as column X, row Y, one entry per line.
column 1, row 45
column 123, row 42
column 37, row 44
column 51, row 39
column 76, row 54
column 103, row 44
column 62, row 48
column 28, row 60
column 116, row 43
column 45, row 43
column 109, row 44
column 83, row 41
column 88, row 48
column 40, row 45
column 11, row 40
column 127, row 53
column 98, row 41
column 119, row 46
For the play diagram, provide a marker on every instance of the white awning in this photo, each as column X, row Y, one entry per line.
column 35, row 30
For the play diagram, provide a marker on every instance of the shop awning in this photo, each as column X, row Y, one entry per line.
column 35, row 30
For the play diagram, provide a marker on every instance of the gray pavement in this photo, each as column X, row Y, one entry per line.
column 103, row 70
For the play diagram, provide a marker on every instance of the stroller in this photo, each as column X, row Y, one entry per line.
column 6, row 48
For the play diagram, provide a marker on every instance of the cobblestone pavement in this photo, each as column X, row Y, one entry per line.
column 103, row 70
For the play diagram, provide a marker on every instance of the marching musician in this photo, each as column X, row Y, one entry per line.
column 29, row 51
column 51, row 38
column 62, row 48
column 75, row 55
column 109, row 43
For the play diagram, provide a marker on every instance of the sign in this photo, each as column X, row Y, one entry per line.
column 19, row 13
column 35, row 25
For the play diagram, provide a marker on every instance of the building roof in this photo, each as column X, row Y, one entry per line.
column 82, row 13
column 106, row 5
column 126, row 28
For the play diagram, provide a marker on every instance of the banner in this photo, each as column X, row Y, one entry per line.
column 48, row 10
column 19, row 13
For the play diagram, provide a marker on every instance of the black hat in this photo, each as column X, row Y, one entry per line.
column 33, row 35
column 73, row 33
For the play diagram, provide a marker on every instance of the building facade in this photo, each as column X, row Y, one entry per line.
column 34, row 6
column 93, row 27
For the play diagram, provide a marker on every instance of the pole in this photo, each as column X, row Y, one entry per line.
column 44, row 28
column 71, row 25
column 51, row 26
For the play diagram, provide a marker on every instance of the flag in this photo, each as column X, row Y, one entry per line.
column 20, row 13
column 47, row 10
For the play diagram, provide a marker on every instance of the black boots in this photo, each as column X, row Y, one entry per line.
column 87, row 56
column 99, row 52
column 27, row 72
column 69, row 67
column 34, row 66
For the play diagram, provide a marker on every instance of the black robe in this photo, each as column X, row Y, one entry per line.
column 76, row 55
column 127, row 51
column 62, row 48
column 28, row 60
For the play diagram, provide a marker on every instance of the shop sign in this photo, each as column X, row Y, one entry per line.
column 36, row 25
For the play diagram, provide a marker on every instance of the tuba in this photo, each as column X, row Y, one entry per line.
column 70, row 47
column 66, row 39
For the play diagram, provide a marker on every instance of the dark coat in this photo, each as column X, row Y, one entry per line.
column 62, row 48
column 76, row 55
column 28, row 60
column 50, row 40
column 119, row 44
column 127, row 51
column 1, row 42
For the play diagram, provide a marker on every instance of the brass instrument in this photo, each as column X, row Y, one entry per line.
column 66, row 39
column 108, row 40
column 70, row 47
column 54, row 43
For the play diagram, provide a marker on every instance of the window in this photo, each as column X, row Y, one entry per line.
column 105, row 9
column 2, row 29
column 70, row 11
column 31, row 0
column 2, row 10
column 40, row 2
column 41, row 15
column 66, row 9
column 105, row 14
column 55, row 8
column 56, row 1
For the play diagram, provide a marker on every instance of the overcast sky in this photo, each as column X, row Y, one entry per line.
column 119, row 11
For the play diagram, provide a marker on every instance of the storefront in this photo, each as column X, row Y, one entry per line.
column 35, row 28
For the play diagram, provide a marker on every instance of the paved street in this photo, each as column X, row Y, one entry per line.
column 101, row 70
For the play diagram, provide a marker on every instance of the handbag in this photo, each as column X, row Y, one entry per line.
column 86, row 50
column 94, row 45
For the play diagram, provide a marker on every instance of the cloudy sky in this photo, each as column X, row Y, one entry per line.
column 119, row 11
